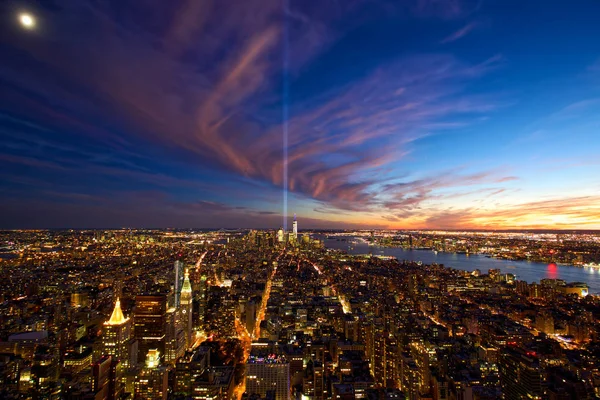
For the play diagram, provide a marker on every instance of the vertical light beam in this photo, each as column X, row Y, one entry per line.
column 285, row 108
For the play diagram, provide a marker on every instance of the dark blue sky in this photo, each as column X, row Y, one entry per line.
column 404, row 113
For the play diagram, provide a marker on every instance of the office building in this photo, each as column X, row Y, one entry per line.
column 117, row 338
column 106, row 379
column 175, row 336
column 152, row 381
column 149, row 321
column 189, row 367
column 521, row 375
column 216, row 383
column 268, row 371
column 178, row 283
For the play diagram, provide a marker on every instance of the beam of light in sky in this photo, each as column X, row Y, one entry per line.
column 285, row 109
column 387, row 134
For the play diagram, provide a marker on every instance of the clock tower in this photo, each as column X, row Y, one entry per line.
column 186, row 304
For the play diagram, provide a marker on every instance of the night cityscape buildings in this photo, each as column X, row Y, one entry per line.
column 263, row 319
column 442, row 156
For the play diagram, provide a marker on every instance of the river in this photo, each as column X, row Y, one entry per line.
column 523, row 270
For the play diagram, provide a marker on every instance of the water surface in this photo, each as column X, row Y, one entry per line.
column 523, row 270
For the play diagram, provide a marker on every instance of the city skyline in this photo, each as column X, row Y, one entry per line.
column 264, row 315
column 411, row 114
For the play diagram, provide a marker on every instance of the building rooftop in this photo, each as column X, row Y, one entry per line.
column 117, row 317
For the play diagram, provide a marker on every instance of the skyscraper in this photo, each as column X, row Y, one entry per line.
column 178, row 267
column 186, row 309
column 268, row 372
column 116, row 338
column 175, row 336
column 152, row 381
column 521, row 375
column 189, row 367
column 106, row 383
column 149, row 319
column 295, row 228
column 203, row 298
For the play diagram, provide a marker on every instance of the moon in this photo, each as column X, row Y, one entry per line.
column 27, row 20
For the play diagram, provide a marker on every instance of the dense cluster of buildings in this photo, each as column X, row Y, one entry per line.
column 572, row 248
column 275, row 315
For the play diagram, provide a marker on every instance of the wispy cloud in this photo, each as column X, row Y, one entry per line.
column 448, row 9
column 413, row 199
column 462, row 32
column 219, row 115
column 167, row 81
column 595, row 66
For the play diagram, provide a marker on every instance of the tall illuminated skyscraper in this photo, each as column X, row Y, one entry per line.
column 175, row 337
column 178, row 267
column 149, row 320
column 116, row 338
column 295, row 228
column 186, row 308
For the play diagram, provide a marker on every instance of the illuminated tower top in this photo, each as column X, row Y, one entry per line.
column 187, row 286
column 117, row 317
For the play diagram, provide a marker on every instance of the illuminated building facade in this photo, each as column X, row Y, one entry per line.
column 175, row 336
column 313, row 384
column 268, row 372
column 116, row 338
column 152, row 381
column 215, row 384
column 149, row 321
column 76, row 361
column 80, row 299
column 295, row 228
column 189, row 368
column 521, row 375
column 106, row 379
column 178, row 272
column 186, row 308
column 203, row 298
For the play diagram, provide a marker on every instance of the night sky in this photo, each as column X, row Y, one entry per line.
column 399, row 113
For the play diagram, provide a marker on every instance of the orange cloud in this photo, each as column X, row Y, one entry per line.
column 573, row 212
